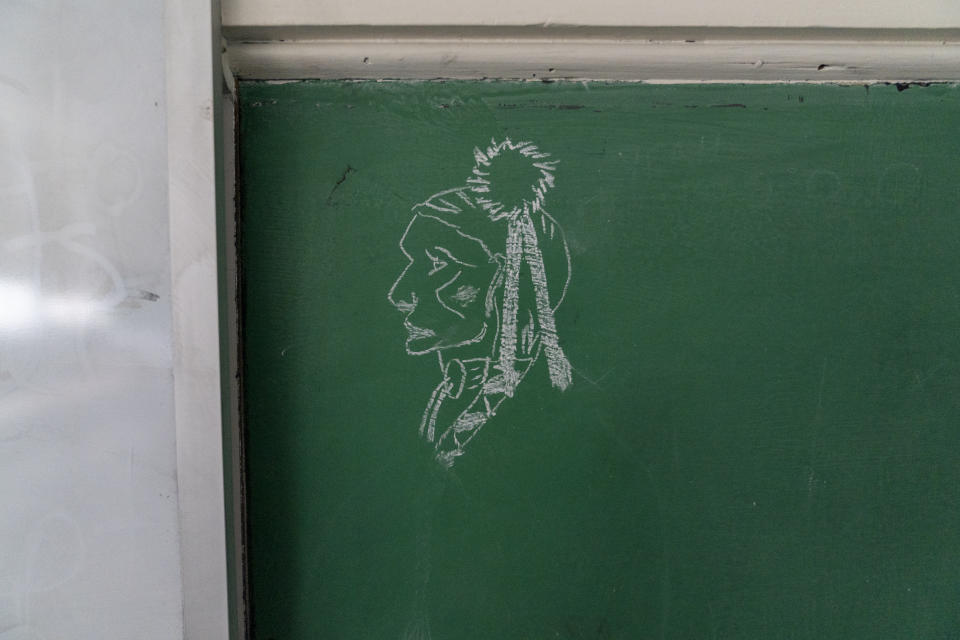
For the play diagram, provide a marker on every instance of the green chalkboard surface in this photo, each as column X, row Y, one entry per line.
column 597, row 361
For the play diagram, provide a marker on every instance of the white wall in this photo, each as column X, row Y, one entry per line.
column 898, row 14
column 89, row 534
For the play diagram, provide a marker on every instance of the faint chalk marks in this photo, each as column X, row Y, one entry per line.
column 21, row 632
column 7, row 81
column 291, row 348
column 759, row 188
column 10, row 617
column 595, row 382
column 815, row 427
column 418, row 629
column 823, row 379
column 118, row 178
column 900, row 185
column 54, row 555
column 666, row 556
column 584, row 204
column 586, row 627
column 14, row 431
column 66, row 238
column 823, row 185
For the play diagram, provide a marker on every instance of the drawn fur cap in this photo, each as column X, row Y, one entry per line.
column 509, row 181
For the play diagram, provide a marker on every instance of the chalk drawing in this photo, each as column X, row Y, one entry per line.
column 487, row 269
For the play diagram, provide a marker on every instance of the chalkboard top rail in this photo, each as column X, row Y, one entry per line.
column 566, row 32
column 538, row 53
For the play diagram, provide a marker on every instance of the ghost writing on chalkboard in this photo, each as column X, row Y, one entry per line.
column 488, row 267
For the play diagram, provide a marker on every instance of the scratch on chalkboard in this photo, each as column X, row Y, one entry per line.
column 594, row 382
column 476, row 291
column 343, row 178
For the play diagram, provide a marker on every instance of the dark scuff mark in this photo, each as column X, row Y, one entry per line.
column 343, row 177
column 727, row 106
column 569, row 107
column 836, row 67
column 690, row 41
column 800, row 98
column 149, row 296
column 691, row 106
column 903, row 86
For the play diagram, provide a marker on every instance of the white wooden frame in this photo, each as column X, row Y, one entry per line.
column 198, row 157
column 199, row 164
column 664, row 55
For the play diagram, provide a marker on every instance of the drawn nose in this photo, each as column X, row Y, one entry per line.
column 401, row 294
column 406, row 303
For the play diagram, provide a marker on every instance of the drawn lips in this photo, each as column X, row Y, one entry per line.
column 415, row 333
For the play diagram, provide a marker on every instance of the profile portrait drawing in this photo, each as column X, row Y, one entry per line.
column 487, row 268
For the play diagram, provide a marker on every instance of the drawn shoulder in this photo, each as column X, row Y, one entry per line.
column 448, row 201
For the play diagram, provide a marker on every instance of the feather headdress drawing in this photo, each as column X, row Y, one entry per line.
column 488, row 268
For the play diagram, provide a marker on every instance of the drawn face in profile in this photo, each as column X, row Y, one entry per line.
column 486, row 269
column 442, row 290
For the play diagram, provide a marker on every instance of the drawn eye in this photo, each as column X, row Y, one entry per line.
column 437, row 263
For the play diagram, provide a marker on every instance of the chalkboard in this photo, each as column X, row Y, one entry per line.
column 587, row 360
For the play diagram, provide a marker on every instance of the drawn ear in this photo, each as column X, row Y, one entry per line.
column 496, row 284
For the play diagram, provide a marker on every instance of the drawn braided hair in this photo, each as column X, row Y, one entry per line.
column 509, row 181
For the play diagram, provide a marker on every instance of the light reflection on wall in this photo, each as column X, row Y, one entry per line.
column 22, row 306
column 87, row 429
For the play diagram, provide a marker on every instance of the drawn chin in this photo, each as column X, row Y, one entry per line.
column 418, row 345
